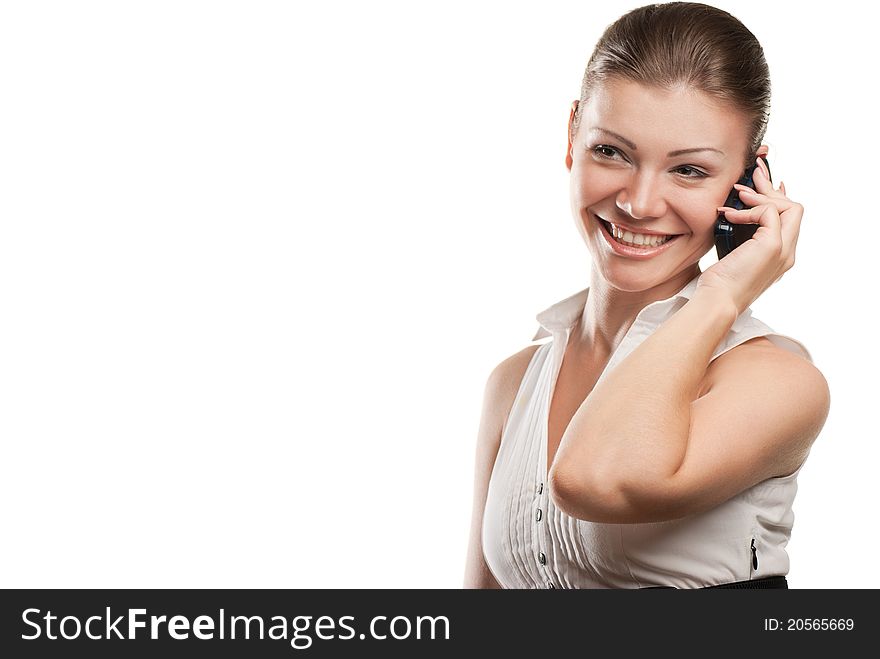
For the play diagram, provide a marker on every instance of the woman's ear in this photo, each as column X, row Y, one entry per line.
column 574, row 107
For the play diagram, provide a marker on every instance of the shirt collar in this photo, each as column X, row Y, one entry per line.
column 563, row 315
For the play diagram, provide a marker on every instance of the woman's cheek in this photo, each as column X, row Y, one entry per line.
column 707, row 214
column 596, row 185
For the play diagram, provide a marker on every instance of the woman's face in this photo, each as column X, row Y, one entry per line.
column 623, row 171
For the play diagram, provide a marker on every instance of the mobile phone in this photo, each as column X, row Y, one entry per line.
column 730, row 236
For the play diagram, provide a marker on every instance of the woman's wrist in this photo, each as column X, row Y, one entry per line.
column 717, row 304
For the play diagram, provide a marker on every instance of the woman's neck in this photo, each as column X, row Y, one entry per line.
column 609, row 312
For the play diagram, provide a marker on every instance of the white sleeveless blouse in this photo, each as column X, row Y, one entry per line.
column 529, row 543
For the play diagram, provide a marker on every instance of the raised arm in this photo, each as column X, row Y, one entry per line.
column 643, row 447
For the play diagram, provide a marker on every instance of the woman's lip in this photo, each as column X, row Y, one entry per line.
column 643, row 232
column 632, row 252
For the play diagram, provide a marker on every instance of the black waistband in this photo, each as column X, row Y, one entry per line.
column 767, row 582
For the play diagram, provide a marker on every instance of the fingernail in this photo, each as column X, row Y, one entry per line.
column 742, row 188
column 763, row 166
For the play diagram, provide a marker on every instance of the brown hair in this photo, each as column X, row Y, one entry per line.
column 686, row 44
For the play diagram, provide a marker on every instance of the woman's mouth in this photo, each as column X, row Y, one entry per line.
column 627, row 243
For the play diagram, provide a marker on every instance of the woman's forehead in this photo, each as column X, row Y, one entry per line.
column 677, row 118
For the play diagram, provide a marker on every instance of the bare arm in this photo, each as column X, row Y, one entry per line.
column 498, row 396
column 643, row 446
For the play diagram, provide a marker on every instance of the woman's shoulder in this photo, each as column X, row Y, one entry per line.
column 504, row 383
column 773, row 346
column 752, row 342
column 760, row 349
column 763, row 356
column 789, row 391
column 507, row 375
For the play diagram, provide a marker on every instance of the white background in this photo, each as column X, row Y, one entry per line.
column 257, row 260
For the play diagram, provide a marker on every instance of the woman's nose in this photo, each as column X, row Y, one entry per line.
column 642, row 197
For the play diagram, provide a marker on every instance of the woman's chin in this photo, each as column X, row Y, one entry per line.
column 635, row 275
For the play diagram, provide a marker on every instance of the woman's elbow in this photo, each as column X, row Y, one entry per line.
column 592, row 500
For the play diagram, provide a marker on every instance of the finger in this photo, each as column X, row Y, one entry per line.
column 792, row 238
column 752, row 198
column 791, row 226
column 761, row 178
column 764, row 215
column 762, row 182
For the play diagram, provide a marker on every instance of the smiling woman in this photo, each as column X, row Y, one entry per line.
column 653, row 440
column 665, row 184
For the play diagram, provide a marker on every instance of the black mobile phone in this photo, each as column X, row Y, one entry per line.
column 730, row 236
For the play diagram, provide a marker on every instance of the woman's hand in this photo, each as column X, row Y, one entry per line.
column 758, row 263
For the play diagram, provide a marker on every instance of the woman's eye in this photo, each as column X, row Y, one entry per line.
column 598, row 149
column 608, row 152
column 696, row 172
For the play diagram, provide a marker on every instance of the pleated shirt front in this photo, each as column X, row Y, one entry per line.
column 529, row 543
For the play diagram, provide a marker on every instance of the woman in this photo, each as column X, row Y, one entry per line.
column 655, row 441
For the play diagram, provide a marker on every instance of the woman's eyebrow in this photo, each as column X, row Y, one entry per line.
column 677, row 152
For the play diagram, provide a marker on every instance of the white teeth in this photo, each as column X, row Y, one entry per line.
column 636, row 239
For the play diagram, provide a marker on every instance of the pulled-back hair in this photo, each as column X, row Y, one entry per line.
column 686, row 44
